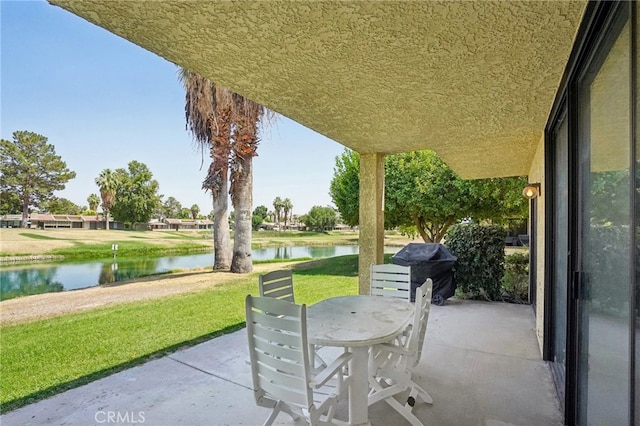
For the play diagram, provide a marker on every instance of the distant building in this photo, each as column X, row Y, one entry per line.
column 69, row 221
column 10, row 221
column 181, row 224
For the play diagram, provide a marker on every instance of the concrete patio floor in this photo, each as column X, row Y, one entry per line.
column 481, row 364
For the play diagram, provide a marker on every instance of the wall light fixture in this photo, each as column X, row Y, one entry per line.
column 531, row 191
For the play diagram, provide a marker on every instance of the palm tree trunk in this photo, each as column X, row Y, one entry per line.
column 221, row 235
column 217, row 180
column 221, row 238
column 242, row 191
column 245, row 143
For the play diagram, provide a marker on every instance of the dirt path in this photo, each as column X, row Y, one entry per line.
column 48, row 305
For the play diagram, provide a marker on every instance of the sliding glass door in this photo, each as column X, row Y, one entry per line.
column 605, row 219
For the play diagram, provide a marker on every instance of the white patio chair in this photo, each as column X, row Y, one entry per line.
column 282, row 375
column 391, row 280
column 391, row 365
column 279, row 285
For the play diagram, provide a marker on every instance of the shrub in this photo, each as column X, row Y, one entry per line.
column 480, row 266
column 607, row 260
column 515, row 284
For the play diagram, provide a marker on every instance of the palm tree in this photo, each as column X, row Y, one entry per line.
column 93, row 200
column 277, row 208
column 194, row 211
column 208, row 111
column 107, row 182
column 286, row 209
column 245, row 144
column 212, row 112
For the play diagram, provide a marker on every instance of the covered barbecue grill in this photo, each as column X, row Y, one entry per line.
column 429, row 260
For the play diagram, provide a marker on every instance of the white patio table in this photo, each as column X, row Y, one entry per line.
column 357, row 323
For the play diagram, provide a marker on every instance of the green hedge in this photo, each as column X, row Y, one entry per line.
column 480, row 266
column 515, row 284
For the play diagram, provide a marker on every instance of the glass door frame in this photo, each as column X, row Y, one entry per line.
column 560, row 115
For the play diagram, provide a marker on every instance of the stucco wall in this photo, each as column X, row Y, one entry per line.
column 536, row 174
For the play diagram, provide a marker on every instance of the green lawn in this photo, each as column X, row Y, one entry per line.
column 45, row 357
column 126, row 249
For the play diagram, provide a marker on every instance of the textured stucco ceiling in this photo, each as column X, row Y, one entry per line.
column 473, row 81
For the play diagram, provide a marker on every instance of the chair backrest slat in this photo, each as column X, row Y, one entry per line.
column 277, row 284
column 391, row 280
column 269, row 362
column 275, row 321
column 285, row 349
column 269, row 333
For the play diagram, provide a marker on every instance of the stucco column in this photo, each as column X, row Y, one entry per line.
column 371, row 216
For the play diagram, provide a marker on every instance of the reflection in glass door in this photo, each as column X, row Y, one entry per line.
column 560, row 248
column 604, row 257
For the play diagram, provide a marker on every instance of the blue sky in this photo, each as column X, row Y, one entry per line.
column 103, row 101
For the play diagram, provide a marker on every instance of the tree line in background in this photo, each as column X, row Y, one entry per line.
column 424, row 196
column 317, row 219
column 32, row 172
column 131, row 195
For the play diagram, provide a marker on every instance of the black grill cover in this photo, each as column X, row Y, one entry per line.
column 429, row 260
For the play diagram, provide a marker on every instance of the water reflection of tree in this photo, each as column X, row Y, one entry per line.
column 282, row 252
column 321, row 251
column 108, row 273
column 26, row 282
column 127, row 269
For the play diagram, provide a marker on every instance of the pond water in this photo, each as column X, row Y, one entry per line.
column 22, row 280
